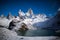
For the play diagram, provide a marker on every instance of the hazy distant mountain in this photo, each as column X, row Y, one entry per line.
column 52, row 23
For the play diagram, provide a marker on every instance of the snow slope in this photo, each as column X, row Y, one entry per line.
column 4, row 22
column 6, row 34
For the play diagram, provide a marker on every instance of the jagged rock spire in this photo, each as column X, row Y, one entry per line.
column 29, row 13
column 21, row 13
column 9, row 15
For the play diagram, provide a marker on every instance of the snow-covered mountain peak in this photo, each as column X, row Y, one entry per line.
column 21, row 13
column 30, row 12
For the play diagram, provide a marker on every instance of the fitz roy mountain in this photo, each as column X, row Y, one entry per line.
column 38, row 25
column 31, row 20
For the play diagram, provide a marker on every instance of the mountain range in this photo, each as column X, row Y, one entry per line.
column 30, row 19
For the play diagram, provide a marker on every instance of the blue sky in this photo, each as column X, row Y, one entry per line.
column 49, row 7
